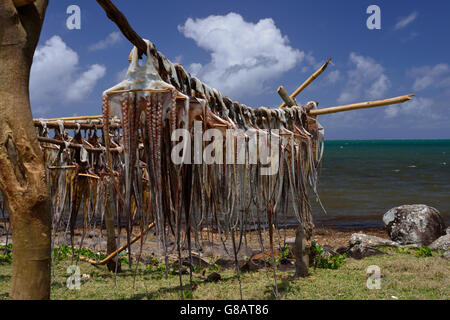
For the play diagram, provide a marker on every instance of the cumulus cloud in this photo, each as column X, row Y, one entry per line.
column 420, row 107
column 86, row 82
column 404, row 21
column 110, row 40
column 430, row 76
column 334, row 76
column 366, row 80
column 244, row 55
column 56, row 77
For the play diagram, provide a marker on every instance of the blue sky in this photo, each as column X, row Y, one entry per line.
column 246, row 49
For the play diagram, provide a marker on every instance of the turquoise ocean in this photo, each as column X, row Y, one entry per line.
column 360, row 180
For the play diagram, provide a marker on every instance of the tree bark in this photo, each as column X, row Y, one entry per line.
column 23, row 180
column 111, row 244
column 301, row 254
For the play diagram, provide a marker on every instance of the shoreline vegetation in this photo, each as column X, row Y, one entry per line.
column 406, row 273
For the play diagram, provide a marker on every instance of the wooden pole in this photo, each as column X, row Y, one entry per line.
column 74, row 125
column 121, row 21
column 290, row 102
column 72, row 118
column 362, row 105
column 308, row 81
column 112, row 255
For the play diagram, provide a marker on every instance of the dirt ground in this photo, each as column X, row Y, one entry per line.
column 95, row 240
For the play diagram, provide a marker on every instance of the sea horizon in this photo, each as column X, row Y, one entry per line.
column 360, row 180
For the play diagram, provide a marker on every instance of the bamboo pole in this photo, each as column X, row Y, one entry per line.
column 290, row 102
column 308, row 81
column 87, row 175
column 115, row 253
column 72, row 118
column 112, row 92
column 362, row 105
column 74, row 125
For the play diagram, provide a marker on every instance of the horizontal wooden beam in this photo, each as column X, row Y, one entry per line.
column 362, row 105
column 75, row 125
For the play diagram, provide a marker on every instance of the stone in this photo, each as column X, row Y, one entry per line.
column 446, row 255
column 360, row 251
column 252, row 265
column 414, row 224
column 371, row 241
column 197, row 261
column 213, row 277
column 341, row 250
column 362, row 246
column 442, row 243
column 447, row 231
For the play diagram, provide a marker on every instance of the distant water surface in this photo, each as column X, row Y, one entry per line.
column 361, row 180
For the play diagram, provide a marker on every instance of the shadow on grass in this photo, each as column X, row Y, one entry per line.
column 284, row 286
column 5, row 278
column 157, row 293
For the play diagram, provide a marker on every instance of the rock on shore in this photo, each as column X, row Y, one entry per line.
column 414, row 224
column 442, row 243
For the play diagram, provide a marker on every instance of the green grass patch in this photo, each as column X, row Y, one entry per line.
column 404, row 275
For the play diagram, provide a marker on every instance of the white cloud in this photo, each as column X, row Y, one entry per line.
column 334, row 76
column 244, row 55
column 430, row 76
column 420, row 107
column 404, row 21
column 365, row 81
column 55, row 76
column 111, row 39
column 85, row 83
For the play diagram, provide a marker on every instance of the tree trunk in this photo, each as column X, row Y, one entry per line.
column 111, row 244
column 301, row 253
column 22, row 173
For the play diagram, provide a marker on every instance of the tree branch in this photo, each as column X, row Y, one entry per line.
column 121, row 21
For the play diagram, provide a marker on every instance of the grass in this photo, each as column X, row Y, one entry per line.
column 405, row 275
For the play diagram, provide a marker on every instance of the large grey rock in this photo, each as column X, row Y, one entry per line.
column 442, row 243
column 371, row 241
column 362, row 245
column 414, row 224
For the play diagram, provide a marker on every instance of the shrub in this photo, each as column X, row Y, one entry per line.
column 323, row 262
